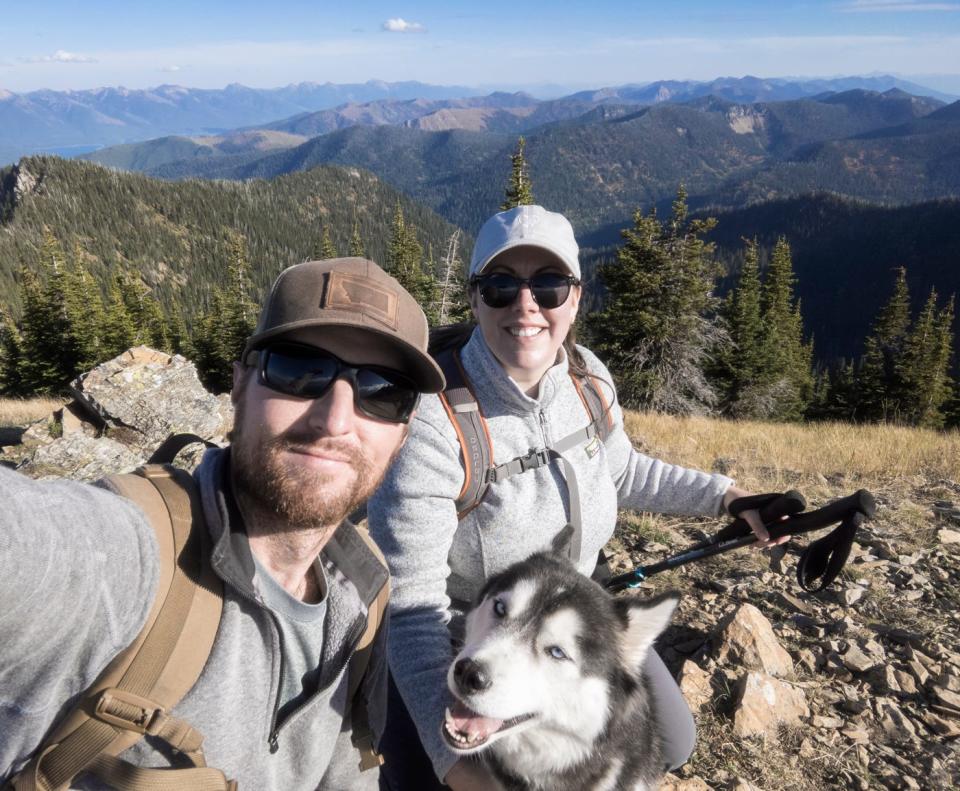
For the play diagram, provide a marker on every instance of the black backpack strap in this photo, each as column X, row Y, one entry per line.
column 476, row 447
column 167, row 451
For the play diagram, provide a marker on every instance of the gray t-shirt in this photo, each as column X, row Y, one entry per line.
column 301, row 635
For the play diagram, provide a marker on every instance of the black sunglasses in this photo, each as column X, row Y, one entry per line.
column 549, row 289
column 308, row 372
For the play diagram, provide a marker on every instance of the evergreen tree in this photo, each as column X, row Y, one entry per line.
column 208, row 351
column 740, row 360
column 926, row 365
column 149, row 322
column 222, row 331
column 326, row 249
column 119, row 332
column 179, row 337
column 356, row 248
column 11, row 358
column 241, row 310
column 785, row 360
column 519, row 190
column 658, row 327
column 404, row 262
column 47, row 359
column 83, row 308
column 882, row 388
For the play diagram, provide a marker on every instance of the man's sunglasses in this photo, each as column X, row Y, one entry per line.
column 308, row 372
column 549, row 289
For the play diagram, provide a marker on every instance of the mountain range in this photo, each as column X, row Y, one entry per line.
column 600, row 166
column 70, row 122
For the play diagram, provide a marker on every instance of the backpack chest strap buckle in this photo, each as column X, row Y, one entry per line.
column 534, row 459
column 128, row 711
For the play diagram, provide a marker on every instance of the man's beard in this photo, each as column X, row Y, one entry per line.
column 301, row 497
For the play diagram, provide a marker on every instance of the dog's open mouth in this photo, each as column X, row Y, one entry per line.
column 465, row 730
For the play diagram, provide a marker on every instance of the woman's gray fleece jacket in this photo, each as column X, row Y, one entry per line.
column 434, row 558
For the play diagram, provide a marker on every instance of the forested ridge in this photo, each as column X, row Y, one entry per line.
column 177, row 237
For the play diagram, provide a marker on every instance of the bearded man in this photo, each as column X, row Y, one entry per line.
column 322, row 393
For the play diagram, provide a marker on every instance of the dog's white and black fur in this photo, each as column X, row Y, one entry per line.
column 549, row 687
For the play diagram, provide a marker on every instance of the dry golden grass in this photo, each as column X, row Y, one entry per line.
column 20, row 411
column 763, row 454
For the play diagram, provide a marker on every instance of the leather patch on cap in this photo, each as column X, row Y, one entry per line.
column 353, row 292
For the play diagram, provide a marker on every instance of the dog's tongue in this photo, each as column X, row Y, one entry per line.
column 470, row 723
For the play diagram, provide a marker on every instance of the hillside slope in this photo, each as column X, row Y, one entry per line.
column 176, row 235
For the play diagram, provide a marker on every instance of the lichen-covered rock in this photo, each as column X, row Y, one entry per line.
column 82, row 458
column 153, row 395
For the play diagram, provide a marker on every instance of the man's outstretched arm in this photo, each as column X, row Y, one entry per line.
column 78, row 571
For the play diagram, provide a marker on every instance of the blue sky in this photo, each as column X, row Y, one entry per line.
column 59, row 44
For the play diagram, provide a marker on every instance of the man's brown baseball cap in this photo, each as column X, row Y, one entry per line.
column 353, row 309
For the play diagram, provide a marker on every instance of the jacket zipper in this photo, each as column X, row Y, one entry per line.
column 272, row 739
column 356, row 632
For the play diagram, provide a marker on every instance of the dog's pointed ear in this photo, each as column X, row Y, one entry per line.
column 561, row 541
column 646, row 619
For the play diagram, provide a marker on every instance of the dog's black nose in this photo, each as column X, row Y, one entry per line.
column 470, row 676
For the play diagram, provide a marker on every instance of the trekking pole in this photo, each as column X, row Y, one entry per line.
column 822, row 560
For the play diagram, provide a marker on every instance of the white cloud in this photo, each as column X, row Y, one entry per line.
column 895, row 6
column 171, row 69
column 399, row 25
column 61, row 56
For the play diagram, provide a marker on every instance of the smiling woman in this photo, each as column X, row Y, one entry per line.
column 553, row 462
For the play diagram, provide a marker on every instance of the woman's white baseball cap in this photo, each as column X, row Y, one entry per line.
column 531, row 226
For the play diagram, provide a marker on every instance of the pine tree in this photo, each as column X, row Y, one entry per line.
column 149, row 322
column 326, row 248
column 241, row 310
column 356, row 248
column 11, row 358
column 882, row 389
column 119, row 332
column 740, row 360
column 926, row 365
column 658, row 328
column 519, row 190
column 43, row 327
column 404, row 261
column 83, row 307
column 785, row 360
column 222, row 331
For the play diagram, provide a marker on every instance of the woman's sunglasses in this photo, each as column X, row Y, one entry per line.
column 308, row 372
column 549, row 289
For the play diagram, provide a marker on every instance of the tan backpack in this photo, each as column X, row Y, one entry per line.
column 137, row 690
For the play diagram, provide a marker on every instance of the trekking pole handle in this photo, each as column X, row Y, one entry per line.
column 860, row 502
column 772, row 508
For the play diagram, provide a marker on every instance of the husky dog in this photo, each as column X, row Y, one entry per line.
column 549, row 684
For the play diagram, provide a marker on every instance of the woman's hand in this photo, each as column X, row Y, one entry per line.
column 752, row 518
column 467, row 775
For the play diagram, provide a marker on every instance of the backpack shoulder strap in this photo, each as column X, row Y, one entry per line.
column 361, row 734
column 476, row 447
column 134, row 694
column 596, row 404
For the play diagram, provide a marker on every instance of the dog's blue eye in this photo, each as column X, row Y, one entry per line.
column 557, row 652
column 499, row 607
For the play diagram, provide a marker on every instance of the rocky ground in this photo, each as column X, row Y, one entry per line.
column 856, row 687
